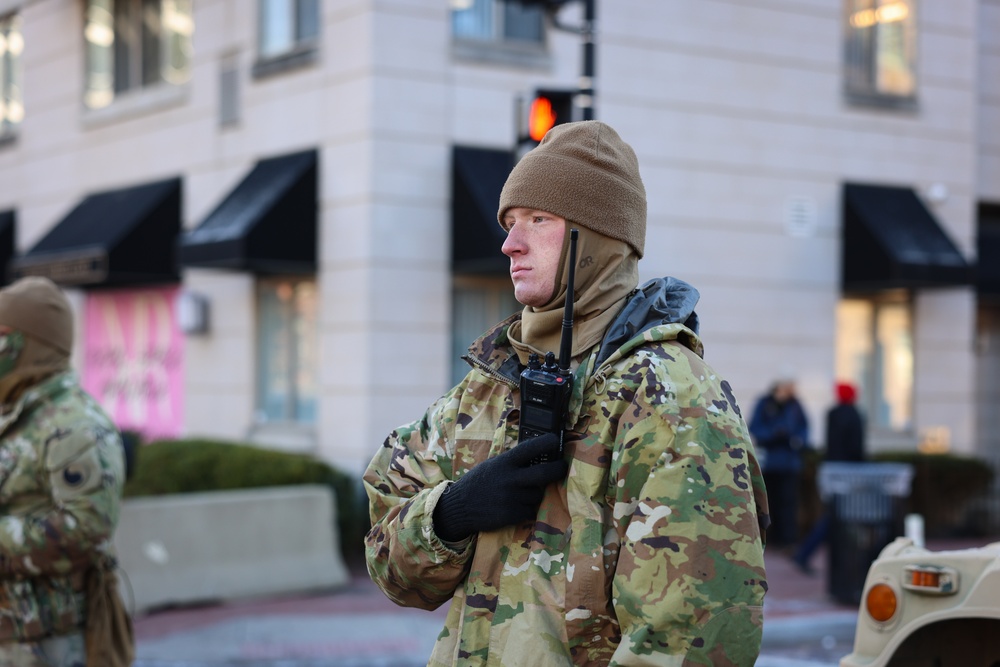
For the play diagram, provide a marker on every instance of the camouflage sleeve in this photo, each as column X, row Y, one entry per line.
column 689, row 580
column 404, row 481
column 66, row 529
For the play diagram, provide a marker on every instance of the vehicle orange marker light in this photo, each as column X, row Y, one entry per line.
column 881, row 602
column 930, row 579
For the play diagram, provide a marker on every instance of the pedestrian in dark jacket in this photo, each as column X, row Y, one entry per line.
column 845, row 441
column 781, row 430
column 845, row 432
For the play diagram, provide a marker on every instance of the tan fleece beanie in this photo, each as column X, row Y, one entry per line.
column 37, row 307
column 585, row 173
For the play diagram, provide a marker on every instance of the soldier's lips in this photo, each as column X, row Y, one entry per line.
column 517, row 271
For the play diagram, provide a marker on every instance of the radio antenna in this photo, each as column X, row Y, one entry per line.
column 566, row 344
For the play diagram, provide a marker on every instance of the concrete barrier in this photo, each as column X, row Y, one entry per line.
column 199, row 547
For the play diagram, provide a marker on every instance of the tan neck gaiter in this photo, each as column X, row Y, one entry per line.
column 607, row 270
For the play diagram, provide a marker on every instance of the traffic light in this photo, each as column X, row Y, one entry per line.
column 546, row 109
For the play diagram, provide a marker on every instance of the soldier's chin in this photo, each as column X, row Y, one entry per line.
column 529, row 300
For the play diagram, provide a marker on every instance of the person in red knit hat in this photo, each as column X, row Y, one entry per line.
column 845, row 441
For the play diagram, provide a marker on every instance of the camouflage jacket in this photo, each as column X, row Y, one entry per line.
column 61, row 476
column 650, row 551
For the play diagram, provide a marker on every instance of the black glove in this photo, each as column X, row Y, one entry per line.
column 500, row 491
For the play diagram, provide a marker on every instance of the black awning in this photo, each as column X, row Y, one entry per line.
column 267, row 224
column 478, row 175
column 7, row 244
column 114, row 238
column 988, row 266
column 891, row 240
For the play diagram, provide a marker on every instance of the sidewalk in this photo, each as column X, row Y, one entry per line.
column 354, row 626
column 357, row 626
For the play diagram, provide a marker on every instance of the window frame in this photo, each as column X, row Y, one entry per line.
column 294, row 364
column 498, row 48
column 121, row 34
column 872, row 378
column 11, row 76
column 862, row 56
column 303, row 50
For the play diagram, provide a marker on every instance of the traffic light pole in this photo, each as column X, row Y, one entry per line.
column 589, row 58
column 588, row 30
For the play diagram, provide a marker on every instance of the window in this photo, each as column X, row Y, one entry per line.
column 875, row 351
column 287, row 27
column 881, row 45
column 11, row 101
column 135, row 44
column 496, row 21
column 477, row 304
column 286, row 350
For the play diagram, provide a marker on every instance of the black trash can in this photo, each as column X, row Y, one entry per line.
column 867, row 507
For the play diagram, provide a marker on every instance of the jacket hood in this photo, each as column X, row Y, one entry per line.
column 659, row 302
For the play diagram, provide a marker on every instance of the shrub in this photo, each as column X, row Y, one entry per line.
column 942, row 489
column 943, row 486
column 190, row 466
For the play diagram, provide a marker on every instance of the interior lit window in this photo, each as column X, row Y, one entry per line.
column 286, row 26
column 880, row 51
column 11, row 101
column 477, row 304
column 875, row 352
column 287, row 350
column 135, row 44
column 496, row 21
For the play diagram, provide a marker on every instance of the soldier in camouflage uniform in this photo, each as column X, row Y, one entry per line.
column 643, row 544
column 61, row 475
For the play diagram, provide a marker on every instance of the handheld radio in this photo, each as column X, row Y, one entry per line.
column 546, row 388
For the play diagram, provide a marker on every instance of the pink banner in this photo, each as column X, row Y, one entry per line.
column 133, row 359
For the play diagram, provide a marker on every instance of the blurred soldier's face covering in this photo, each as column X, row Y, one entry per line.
column 11, row 344
column 534, row 244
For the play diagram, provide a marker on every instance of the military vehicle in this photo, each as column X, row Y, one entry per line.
column 922, row 608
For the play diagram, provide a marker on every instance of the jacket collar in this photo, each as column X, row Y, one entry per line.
column 47, row 388
column 662, row 309
column 494, row 351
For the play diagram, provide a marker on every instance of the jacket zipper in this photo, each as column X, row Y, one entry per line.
column 488, row 370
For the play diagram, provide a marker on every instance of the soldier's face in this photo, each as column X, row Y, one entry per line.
column 534, row 244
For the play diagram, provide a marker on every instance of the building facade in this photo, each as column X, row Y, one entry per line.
column 275, row 219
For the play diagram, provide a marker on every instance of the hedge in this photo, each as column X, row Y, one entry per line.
column 943, row 487
column 194, row 465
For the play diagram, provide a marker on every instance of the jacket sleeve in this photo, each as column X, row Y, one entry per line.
column 404, row 481
column 690, row 575
column 71, row 523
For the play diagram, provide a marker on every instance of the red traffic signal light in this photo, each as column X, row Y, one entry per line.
column 548, row 108
column 541, row 118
